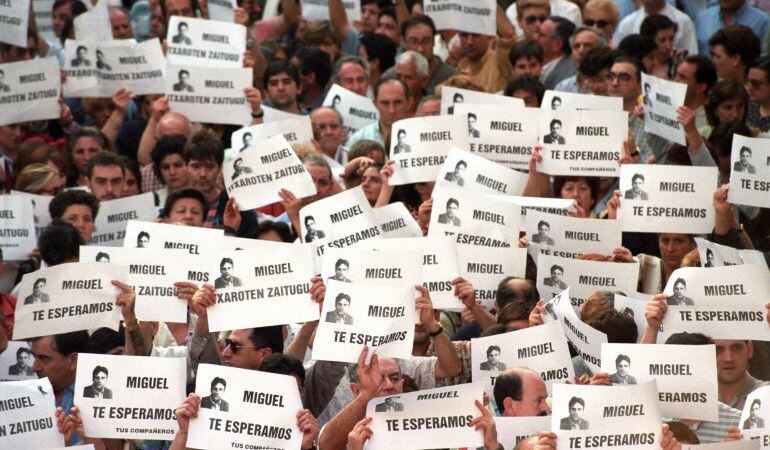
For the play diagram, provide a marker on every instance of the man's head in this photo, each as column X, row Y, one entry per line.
column 601, row 15
column 310, row 223
column 82, row 52
column 321, row 173
column 474, row 46
column 39, row 286
column 352, row 73
column 554, row 37
column 529, row 88
column 99, row 376
column 584, row 40
column 430, row 105
column 247, row 138
column 699, row 74
column 106, row 176
column 246, row 348
column 756, row 405
column 493, row 354
column 392, row 379
column 387, row 25
column 733, row 358
column 370, row 10
column 556, row 272
column 758, row 81
column 745, row 155
column 391, row 97
column 282, row 84
column 143, row 239
column 182, row 28
column 461, row 165
column 530, row 15
column 412, row 68
column 417, row 34
column 99, row 55
column 709, row 255
column 341, row 267
column 512, row 289
column 452, row 205
column 526, row 58
column 622, row 364
column 673, row 247
column 23, row 357
column 576, row 406
column 56, row 357
column 121, row 23
column 637, row 182
column 625, row 75
column 226, row 268
column 555, row 127
column 203, row 156
column 328, row 130
column 555, row 103
column 182, row 8
column 543, row 228
column 315, row 68
column 647, row 89
column 102, row 257
column 218, row 386
column 341, row 303
column 380, row 51
column 595, row 67
column 183, row 76
column 521, row 392
column 172, row 124
column 237, row 164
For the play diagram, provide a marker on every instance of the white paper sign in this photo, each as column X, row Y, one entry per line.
column 29, row 90
column 451, row 96
column 499, row 136
column 256, row 176
column 44, row 18
column 472, row 16
column 205, row 94
column 570, row 237
column 222, row 10
column 68, row 297
column 484, row 267
column 14, row 19
column 110, row 224
column 686, row 375
column 477, row 174
column 755, row 417
column 356, row 110
column 396, row 221
column 319, row 9
column 512, row 430
column 718, row 285
column 209, row 43
column 17, row 227
column 16, row 362
column 387, row 264
column 661, row 99
column 716, row 255
column 586, row 341
column 431, row 418
column 421, row 145
column 582, row 142
column 667, row 199
column 297, row 130
column 542, row 349
column 355, row 315
column 29, row 401
column 245, row 408
column 572, row 101
column 619, row 417
column 750, row 160
column 261, row 289
column 274, row 115
column 112, row 392
column 40, row 211
column 194, row 240
column 560, row 206
column 94, row 25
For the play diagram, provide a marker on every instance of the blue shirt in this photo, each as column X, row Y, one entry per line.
column 370, row 132
column 66, row 404
column 711, row 20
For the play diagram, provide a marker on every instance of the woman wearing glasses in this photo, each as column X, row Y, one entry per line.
column 601, row 15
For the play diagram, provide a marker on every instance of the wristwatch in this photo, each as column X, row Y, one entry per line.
column 437, row 332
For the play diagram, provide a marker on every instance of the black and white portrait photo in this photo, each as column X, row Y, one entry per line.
column 575, row 419
column 457, row 98
column 181, row 34
column 456, row 176
column 621, row 375
column 246, row 139
column 336, row 100
column 473, row 131
column 102, row 257
column 182, row 85
column 555, row 103
column 543, row 237
column 340, row 314
column 493, row 360
column 143, row 239
column 389, row 404
column 81, row 57
column 646, row 97
column 401, row 145
column 744, row 163
column 24, row 360
column 3, row 87
column 38, row 294
column 239, row 169
column 100, row 63
column 341, row 268
column 226, row 278
column 754, row 421
column 709, row 258
column 450, row 216
column 97, row 389
column 554, row 137
column 312, row 232
column 636, row 192
column 215, row 400
column 680, row 287
column 555, row 280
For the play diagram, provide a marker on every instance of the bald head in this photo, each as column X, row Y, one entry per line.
column 520, row 392
column 173, row 124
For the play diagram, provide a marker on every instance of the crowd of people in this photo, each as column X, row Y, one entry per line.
column 102, row 149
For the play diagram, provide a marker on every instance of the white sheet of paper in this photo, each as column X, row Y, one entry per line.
column 560, row 206
column 94, row 24
column 750, row 162
column 110, row 224
column 497, row 135
column 667, row 199
column 257, row 409
column 356, row 110
column 396, row 221
column 71, row 297
column 274, row 115
column 319, row 9
column 583, row 142
column 421, row 146
column 569, row 237
column 43, row 10
column 262, row 289
column 222, row 10
column 573, row 101
column 297, row 130
column 17, row 227
column 431, row 418
column 587, row 341
column 661, row 98
column 732, row 320
column 472, row 16
column 542, row 349
column 716, row 255
column 118, row 406
column 206, row 94
column 140, row 68
column 388, row 263
column 208, row 43
column 686, row 375
column 634, row 424
column 378, row 316
column 195, row 240
column 14, row 15
column 477, row 174
column 718, row 285
column 484, row 267
column 29, row 90
column 451, row 96
column 512, row 430
column 34, row 402
column 40, row 211
column 16, row 362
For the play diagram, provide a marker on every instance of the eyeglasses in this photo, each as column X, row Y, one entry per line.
column 529, row 20
column 622, row 77
column 234, row 346
column 601, row 23
column 756, row 84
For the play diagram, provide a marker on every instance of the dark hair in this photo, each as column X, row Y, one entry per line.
column 720, row 141
column 597, row 60
column 452, row 200
column 316, row 61
column 224, row 261
column 166, row 145
column 204, row 146
column 340, row 262
column 619, row 327
column 529, row 83
column 554, row 121
column 65, row 199
column 218, row 380
column 268, row 337
column 23, row 350
column 505, row 294
column 560, row 181
column 576, row 400
column 143, row 234
column 183, row 71
column 723, row 90
column 98, row 369
column 380, row 48
column 630, row 59
column 680, row 281
column 83, row 47
column 59, row 242
column 637, row 175
column 492, row 348
column 283, row 364
column 557, row 267
column 755, row 402
column 762, row 64
column 342, row 296
column 131, row 165
column 514, row 310
column 685, row 338
column 654, row 23
column 102, row 255
column 309, row 218
column 388, row 11
column 705, row 71
column 280, row 66
column 69, row 343
column 738, row 40
column 525, row 49
column 182, row 194
column 508, row 384
column 104, row 159
column 622, row 357
column 74, row 138
column 280, row 228
column 563, row 31
column 419, row 19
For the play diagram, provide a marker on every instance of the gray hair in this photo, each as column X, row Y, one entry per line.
column 411, row 56
column 353, row 370
column 602, row 39
column 350, row 59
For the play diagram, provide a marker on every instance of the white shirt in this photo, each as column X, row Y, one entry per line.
column 685, row 34
column 561, row 8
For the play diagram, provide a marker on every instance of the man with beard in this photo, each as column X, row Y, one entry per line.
column 106, row 176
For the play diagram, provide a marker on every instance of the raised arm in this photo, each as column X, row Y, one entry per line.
column 448, row 364
column 339, row 18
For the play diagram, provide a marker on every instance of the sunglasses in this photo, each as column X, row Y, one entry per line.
column 234, row 346
column 601, row 23
column 529, row 20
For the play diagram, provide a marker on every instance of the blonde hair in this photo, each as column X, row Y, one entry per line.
column 34, row 177
column 521, row 5
column 606, row 5
column 460, row 81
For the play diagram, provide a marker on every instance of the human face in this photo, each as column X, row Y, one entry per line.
column 179, row 8
column 84, row 149
column 732, row 360
column 623, row 82
column 622, row 368
column 322, row 179
column 555, row 129
column 600, row 20
column 106, row 182
column 369, row 15
column 407, row 72
column 143, row 241
column 391, row 103
column 371, row 183
column 451, row 209
column 419, row 38
column 685, row 73
column 579, row 191
column 23, row 359
column 531, row 20
column 99, row 380
column 173, row 171
column 584, row 43
column 187, row 211
column 61, row 16
column 79, row 216
column 353, row 77
column 493, row 356
column 428, row 108
column 757, row 85
column 527, row 66
column 598, row 84
column 341, row 306
column 575, row 411
column 724, row 63
column 60, row 369
column 243, row 357
column 637, row 184
column 673, row 247
column 745, row 157
column 327, row 129
column 282, row 90
column 216, row 392
column 533, row 401
column 203, row 176
column 131, row 186
column 38, row 287
column 556, row 274
column 755, row 410
column 679, row 290
column 157, row 24
column 543, row 230
column 225, row 269
column 392, row 381
column 665, row 41
column 121, row 25
column 474, row 46
column 386, row 26
column 731, row 110
column 341, row 270
column 546, row 40
column 530, row 99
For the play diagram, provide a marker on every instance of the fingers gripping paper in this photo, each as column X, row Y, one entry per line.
column 29, row 90
column 661, row 98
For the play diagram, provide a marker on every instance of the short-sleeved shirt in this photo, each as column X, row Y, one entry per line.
column 711, row 20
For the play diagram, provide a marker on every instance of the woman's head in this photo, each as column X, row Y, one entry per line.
column 76, row 207
column 726, row 101
column 99, row 109
column 268, row 230
column 663, row 31
column 83, row 145
column 133, row 182
column 168, row 162
column 187, row 207
column 371, row 182
column 733, row 48
column 581, row 189
column 720, row 142
column 39, row 179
